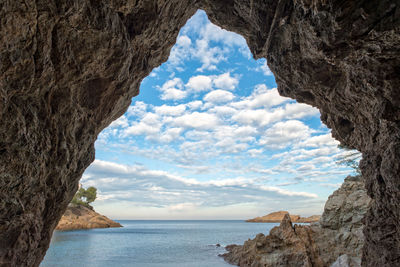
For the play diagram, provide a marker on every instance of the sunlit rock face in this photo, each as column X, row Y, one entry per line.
column 68, row 68
column 336, row 239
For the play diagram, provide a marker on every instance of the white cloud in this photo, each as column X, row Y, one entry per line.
column 184, row 41
column 254, row 152
column 208, row 56
column 170, row 110
column 150, row 124
column 120, row 122
column 212, row 32
column 222, row 110
column 194, row 104
column 173, row 94
column 219, row 96
column 226, row 81
column 282, row 134
column 196, row 120
column 300, row 110
column 170, row 135
column 319, row 141
column 199, row 83
column 258, row 117
column 261, row 97
column 173, row 90
column 138, row 109
column 154, row 188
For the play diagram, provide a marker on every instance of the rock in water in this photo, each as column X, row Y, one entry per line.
column 80, row 217
column 337, row 238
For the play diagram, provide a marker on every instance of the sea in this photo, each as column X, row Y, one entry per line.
column 151, row 244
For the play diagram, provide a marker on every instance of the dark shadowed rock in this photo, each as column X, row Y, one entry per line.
column 69, row 68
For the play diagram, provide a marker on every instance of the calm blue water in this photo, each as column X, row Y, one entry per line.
column 150, row 243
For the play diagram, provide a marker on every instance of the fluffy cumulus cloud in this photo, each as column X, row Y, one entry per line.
column 170, row 110
column 196, row 120
column 219, row 96
column 172, row 90
column 225, row 81
column 262, row 97
column 199, row 83
column 211, row 135
column 283, row 134
column 203, row 48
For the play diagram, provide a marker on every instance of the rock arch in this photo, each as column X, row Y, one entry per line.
column 68, row 68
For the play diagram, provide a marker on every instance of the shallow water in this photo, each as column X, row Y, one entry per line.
column 150, row 243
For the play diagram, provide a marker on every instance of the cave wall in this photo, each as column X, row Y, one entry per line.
column 68, row 68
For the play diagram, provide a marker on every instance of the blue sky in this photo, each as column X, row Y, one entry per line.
column 209, row 137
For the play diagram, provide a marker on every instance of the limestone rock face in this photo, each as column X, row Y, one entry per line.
column 286, row 245
column 336, row 240
column 68, row 68
column 80, row 217
column 340, row 231
column 277, row 217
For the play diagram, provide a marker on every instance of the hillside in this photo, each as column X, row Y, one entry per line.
column 81, row 217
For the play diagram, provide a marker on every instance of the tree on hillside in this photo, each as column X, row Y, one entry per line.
column 85, row 196
column 90, row 194
column 350, row 159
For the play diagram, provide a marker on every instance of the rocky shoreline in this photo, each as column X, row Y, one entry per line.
column 81, row 217
column 336, row 240
column 277, row 217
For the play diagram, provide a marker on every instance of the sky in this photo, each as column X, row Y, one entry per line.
column 209, row 137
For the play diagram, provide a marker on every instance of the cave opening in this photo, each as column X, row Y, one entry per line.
column 212, row 110
column 68, row 69
column 209, row 137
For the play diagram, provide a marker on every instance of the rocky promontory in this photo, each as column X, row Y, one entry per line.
column 337, row 239
column 278, row 216
column 81, row 217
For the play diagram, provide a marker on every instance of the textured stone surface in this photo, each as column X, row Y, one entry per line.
column 342, row 261
column 336, row 240
column 340, row 228
column 80, row 217
column 286, row 245
column 68, row 68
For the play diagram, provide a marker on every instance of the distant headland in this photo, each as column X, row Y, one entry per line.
column 277, row 217
column 81, row 215
column 78, row 217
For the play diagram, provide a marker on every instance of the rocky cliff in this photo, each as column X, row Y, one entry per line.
column 80, row 217
column 277, row 217
column 68, row 68
column 337, row 238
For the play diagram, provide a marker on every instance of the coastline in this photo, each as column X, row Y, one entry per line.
column 81, row 217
